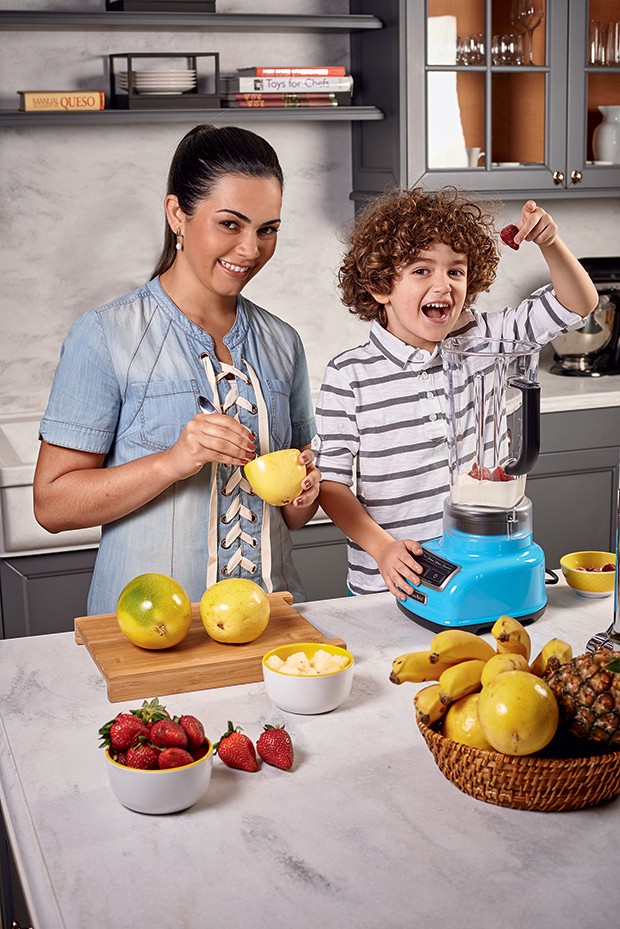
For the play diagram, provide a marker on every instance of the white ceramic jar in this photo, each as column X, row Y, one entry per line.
column 606, row 136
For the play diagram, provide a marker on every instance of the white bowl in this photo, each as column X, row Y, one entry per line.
column 160, row 791
column 303, row 694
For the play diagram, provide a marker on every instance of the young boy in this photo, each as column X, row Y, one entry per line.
column 416, row 262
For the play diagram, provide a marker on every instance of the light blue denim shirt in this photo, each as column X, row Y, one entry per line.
column 127, row 382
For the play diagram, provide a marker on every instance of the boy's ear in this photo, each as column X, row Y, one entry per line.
column 384, row 299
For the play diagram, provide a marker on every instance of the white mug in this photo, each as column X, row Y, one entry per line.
column 473, row 157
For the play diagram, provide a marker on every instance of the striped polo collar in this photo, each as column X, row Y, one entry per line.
column 398, row 352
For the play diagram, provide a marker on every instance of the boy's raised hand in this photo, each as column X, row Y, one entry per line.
column 536, row 225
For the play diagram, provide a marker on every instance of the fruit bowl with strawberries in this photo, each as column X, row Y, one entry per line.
column 308, row 678
column 156, row 763
column 590, row 574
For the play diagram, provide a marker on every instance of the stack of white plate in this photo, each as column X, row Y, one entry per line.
column 171, row 81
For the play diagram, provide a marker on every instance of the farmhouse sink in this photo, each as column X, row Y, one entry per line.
column 20, row 534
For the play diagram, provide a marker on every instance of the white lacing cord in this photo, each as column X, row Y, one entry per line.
column 237, row 482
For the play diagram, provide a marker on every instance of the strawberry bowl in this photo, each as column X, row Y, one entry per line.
column 308, row 677
column 161, row 790
column 590, row 574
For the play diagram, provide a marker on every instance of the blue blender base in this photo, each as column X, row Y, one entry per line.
column 499, row 576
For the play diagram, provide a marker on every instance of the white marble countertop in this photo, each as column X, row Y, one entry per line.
column 363, row 833
column 560, row 393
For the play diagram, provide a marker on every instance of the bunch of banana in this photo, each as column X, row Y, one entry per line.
column 461, row 663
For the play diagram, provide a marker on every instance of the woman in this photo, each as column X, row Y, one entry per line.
column 124, row 445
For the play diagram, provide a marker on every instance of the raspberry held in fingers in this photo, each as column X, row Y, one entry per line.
column 508, row 234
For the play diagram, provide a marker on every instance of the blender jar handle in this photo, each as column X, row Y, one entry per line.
column 530, row 428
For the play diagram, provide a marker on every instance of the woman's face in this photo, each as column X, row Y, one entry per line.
column 231, row 235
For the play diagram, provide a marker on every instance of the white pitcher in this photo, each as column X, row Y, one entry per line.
column 606, row 136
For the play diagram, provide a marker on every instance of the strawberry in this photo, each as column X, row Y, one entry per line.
column 165, row 733
column 275, row 747
column 200, row 752
column 142, row 755
column 500, row 475
column 507, row 235
column 236, row 750
column 478, row 475
column 151, row 711
column 174, row 758
column 194, row 730
column 121, row 733
column 608, row 567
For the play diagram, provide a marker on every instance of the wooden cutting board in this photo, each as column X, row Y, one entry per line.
column 196, row 663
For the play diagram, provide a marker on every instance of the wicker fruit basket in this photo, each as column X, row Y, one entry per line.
column 529, row 782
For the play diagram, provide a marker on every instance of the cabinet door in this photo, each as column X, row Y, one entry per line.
column 320, row 556
column 44, row 593
column 493, row 120
column 593, row 82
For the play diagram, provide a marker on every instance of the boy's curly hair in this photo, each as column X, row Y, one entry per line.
column 392, row 229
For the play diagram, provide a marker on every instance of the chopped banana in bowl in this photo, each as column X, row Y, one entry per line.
column 309, row 677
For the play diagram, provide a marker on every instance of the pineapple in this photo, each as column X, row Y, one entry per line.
column 587, row 689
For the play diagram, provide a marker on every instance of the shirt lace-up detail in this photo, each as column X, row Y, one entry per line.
column 238, row 549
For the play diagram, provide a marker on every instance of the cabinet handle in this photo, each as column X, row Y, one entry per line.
column 576, row 177
column 558, row 177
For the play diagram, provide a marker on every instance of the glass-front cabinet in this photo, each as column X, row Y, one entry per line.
column 514, row 92
column 497, row 96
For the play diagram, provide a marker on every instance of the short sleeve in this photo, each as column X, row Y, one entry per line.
column 85, row 399
column 337, row 441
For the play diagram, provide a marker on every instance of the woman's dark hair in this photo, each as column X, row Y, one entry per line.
column 203, row 156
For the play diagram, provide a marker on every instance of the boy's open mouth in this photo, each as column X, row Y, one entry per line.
column 437, row 312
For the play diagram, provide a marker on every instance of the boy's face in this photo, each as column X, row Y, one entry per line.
column 428, row 297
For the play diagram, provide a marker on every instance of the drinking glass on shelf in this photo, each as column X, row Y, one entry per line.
column 507, row 50
column 526, row 16
column 613, row 44
column 470, row 49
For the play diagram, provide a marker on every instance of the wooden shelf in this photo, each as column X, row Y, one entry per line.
column 233, row 22
column 16, row 119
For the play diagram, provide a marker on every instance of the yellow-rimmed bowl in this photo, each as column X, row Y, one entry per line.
column 168, row 790
column 589, row 583
column 308, row 694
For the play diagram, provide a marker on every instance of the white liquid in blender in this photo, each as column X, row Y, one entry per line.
column 502, row 494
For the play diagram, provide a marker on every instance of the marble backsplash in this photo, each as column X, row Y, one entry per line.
column 81, row 208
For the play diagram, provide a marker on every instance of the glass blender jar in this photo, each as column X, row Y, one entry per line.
column 486, row 563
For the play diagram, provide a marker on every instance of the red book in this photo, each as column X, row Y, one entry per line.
column 316, row 71
column 285, row 100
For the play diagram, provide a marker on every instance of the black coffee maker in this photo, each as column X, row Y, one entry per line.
column 594, row 350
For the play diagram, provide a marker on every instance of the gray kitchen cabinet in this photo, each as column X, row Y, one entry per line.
column 41, row 594
column 574, row 485
column 13, row 909
column 533, row 123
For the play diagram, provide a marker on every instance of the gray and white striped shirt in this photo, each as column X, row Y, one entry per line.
column 381, row 424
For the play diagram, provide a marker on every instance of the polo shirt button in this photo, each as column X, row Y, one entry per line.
column 425, row 375
column 433, row 417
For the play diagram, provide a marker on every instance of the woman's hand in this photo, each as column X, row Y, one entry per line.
column 398, row 567
column 297, row 513
column 310, row 484
column 211, row 437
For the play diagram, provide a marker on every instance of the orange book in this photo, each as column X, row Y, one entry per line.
column 67, row 101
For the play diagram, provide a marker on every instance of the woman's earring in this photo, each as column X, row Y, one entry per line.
column 179, row 245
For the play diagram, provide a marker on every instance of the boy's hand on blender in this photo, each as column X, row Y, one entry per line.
column 398, row 567
column 536, row 226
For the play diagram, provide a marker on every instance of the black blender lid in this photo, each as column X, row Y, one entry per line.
column 602, row 270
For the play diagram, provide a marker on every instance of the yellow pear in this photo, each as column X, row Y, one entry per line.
column 461, row 723
column 277, row 476
column 234, row 611
column 518, row 713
